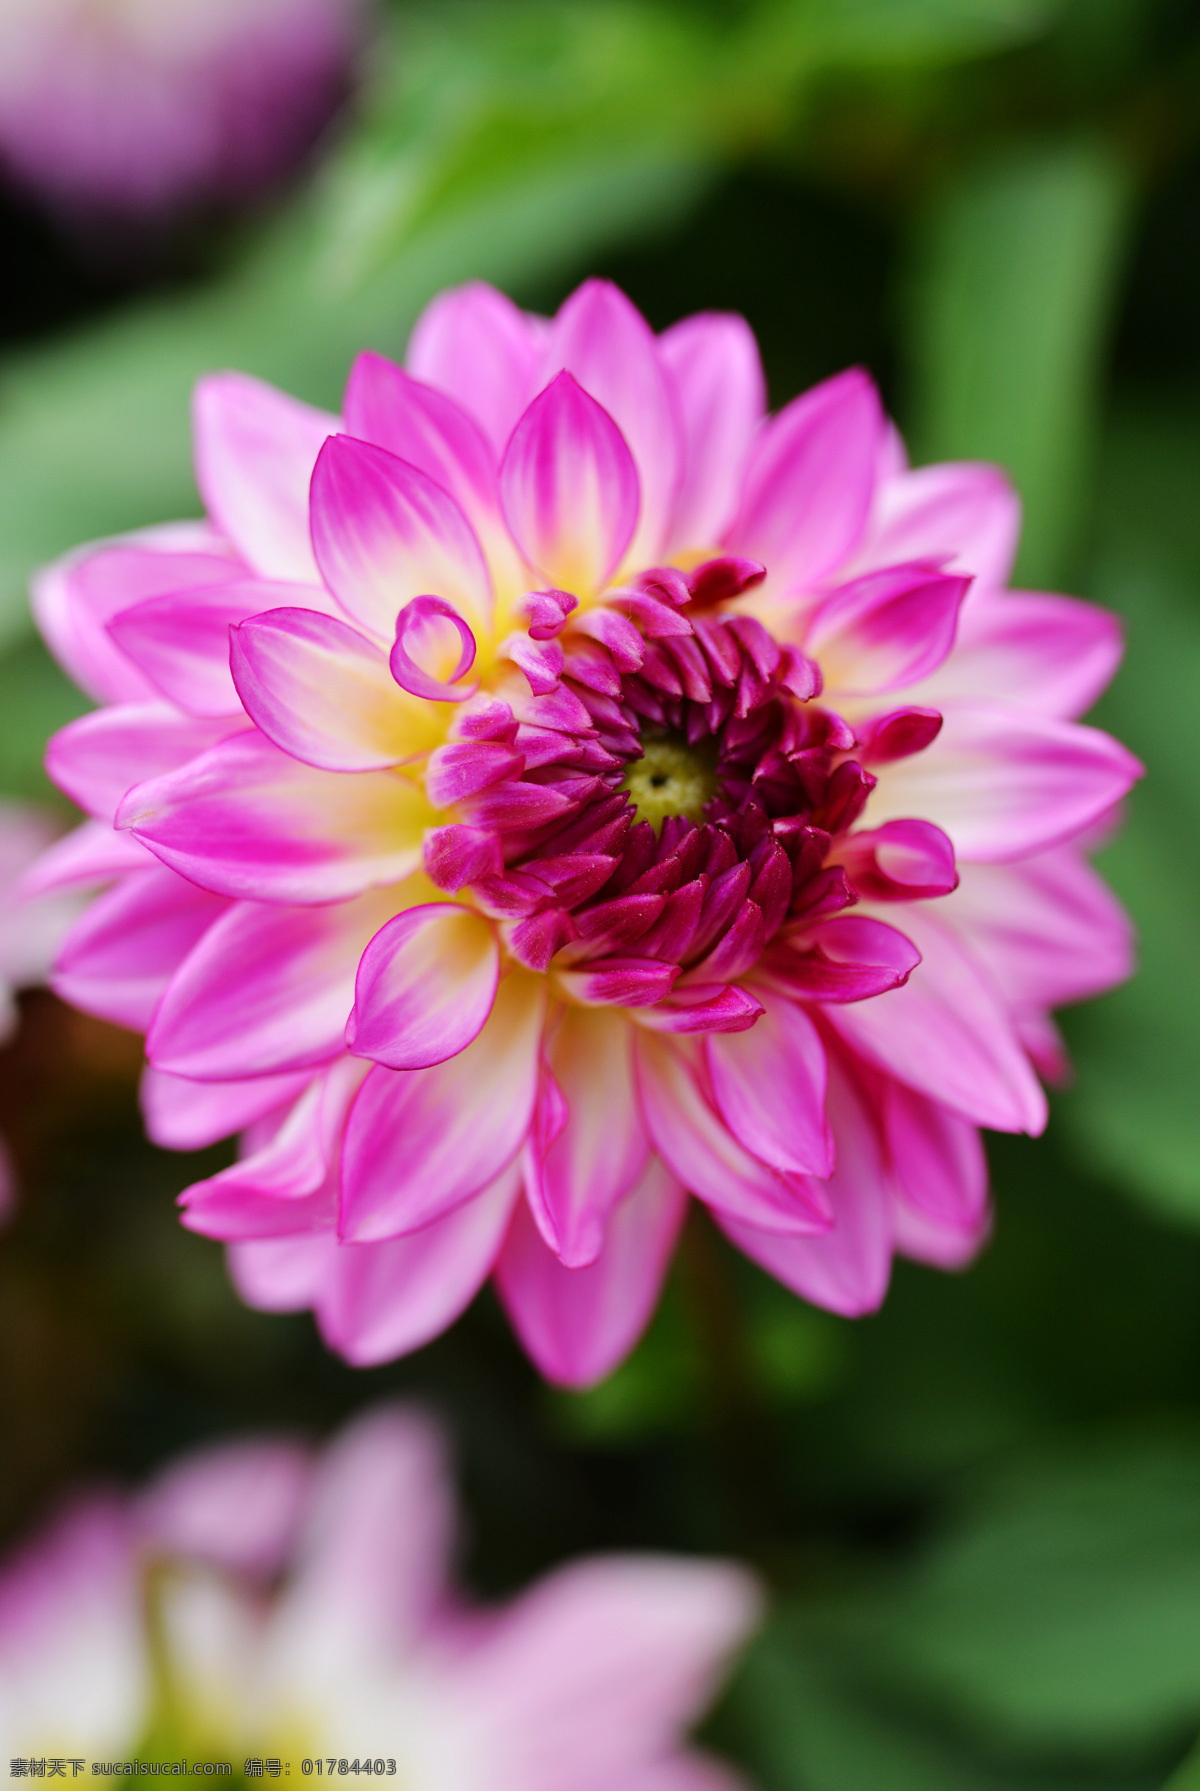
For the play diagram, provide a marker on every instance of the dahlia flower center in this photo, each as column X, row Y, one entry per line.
column 671, row 778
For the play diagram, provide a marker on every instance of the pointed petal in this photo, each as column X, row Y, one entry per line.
column 181, row 640
column 605, row 343
column 569, row 488
column 382, row 1300
column 420, row 1141
column 93, row 853
column 255, row 452
column 416, row 422
column 937, row 1160
column 96, row 759
column 698, row 1147
column 475, row 344
column 384, row 533
column 712, row 362
column 846, row 1268
column 601, row 1151
column 183, row 1115
column 246, row 820
column 848, row 958
column 1050, row 929
column 127, row 944
column 810, row 481
column 947, row 1034
column 1051, row 654
column 769, row 1088
column 1004, row 783
column 578, row 1324
column 965, row 515
column 885, row 631
column 324, row 692
column 74, row 599
column 267, row 990
column 425, row 987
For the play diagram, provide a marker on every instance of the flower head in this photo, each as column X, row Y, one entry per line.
column 257, row 1599
column 135, row 108
column 557, row 789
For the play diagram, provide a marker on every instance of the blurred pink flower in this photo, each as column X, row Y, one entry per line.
column 137, row 108
column 257, row 1600
column 31, row 931
column 566, row 789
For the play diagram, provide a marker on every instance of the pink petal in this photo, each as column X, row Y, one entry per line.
column 380, row 1301
column 769, row 1088
column 848, row 958
column 712, row 363
column 125, row 947
column 934, row 1241
column 324, row 692
column 886, row 630
column 702, row 1152
column 579, row 1323
column 96, row 759
column 593, row 1674
column 232, row 1506
column 90, row 854
column 384, row 533
column 1051, row 654
column 246, row 820
column 425, row 987
column 601, row 1151
column 937, row 1160
column 1049, row 929
column 900, row 861
column 846, row 1268
column 947, row 1034
column 605, row 343
column 181, row 640
column 962, row 514
column 621, row 982
column 267, row 990
column 183, row 1115
column 74, row 600
column 475, row 344
column 420, row 1141
column 283, row 1274
column 419, row 424
column 810, row 481
column 255, row 452
column 1004, row 783
column 569, row 488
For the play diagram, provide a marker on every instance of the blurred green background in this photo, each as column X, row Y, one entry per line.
column 980, row 1510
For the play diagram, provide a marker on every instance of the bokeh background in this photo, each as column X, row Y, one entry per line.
column 979, row 1511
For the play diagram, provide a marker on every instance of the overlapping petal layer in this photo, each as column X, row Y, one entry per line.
column 600, row 794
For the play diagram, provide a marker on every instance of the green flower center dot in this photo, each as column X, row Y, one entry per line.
column 671, row 778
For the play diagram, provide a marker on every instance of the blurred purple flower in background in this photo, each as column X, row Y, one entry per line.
column 137, row 109
column 255, row 1597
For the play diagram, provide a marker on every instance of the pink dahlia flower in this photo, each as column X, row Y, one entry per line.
column 254, row 1600
column 558, row 788
column 138, row 107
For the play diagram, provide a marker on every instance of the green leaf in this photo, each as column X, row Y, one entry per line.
column 1133, row 1112
column 1010, row 303
column 1061, row 1612
column 900, row 33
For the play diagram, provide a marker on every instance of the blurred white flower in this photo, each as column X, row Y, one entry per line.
column 138, row 108
column 256, row 1601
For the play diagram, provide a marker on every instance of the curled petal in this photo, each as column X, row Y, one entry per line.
column 569, row 488
column 416, row 628
column 578, row 1323
column 902, row 861
column 849, row 958
column 383, row 533
column 323, row 692
column 425, row 987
